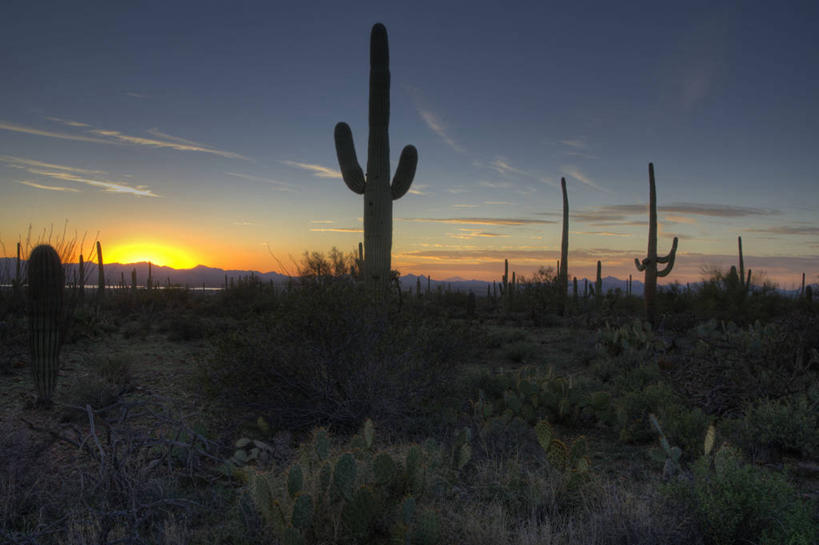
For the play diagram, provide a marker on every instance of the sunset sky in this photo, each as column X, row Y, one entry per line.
column 202, row 132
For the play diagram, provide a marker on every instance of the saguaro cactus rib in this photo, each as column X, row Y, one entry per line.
column 375, row 185
column 649, row 263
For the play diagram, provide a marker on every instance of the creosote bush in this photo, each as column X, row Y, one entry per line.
column 328, row 354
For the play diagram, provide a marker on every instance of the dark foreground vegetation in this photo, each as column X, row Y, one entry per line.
column 321, row 413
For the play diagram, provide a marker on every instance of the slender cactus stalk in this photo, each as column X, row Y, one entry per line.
column 46, row 279
column 376, row 188
column 598, row 284
column 563, row 281
column 649, row 263
column 18, row 281
column 741, row 265
column 81, row 281
column 101, row 272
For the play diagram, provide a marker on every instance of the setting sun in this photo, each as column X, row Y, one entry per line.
column 158, row 254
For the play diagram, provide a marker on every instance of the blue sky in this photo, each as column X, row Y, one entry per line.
column 207, row 127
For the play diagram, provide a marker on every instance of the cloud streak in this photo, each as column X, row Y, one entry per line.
column 317, row 170
column 103, row 136
column 48, row 187
column 337, row 230
column 480, row 221
column 277, row 185
column 575, row 173
column 72, row 174
column 437, row 126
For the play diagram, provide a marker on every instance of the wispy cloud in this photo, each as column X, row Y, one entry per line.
column 118, row 137
column 50, row 134
column 462, row 205
column 48, row 187
column 601, row 233
column 577, row 143
column 419, row 189
column 107, row 185
column 500, row 203
column 480, row 221
column 20, row 162
column 787, row 230
column 317, row 170
column 68, row 122
column 337, row 230
column 677, row 212
column 103, row 136
column 277, row 185
column 502, row 167
column 574, row 172
column 322, row 221
column 243, row 223
column 135, row 95
column 73, row 174
column 475, row 233
column 495, row 185
column 437, row 126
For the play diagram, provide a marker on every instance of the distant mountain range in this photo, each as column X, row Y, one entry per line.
column 210, row 277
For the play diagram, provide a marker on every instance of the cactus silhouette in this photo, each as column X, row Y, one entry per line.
column 564, row 250
column 376, row 188
column 598, row 282
column 45, row 294
column 101, row 271
column 649, row 263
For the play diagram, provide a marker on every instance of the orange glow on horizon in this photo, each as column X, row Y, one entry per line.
column 158, row 254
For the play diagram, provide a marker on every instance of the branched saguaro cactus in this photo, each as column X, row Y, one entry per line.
column 45, row 298
column 563, row 278
column 649, row 263
column 376, row 187
column 100, row 271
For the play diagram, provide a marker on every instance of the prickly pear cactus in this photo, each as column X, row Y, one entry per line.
column 376, row 187
column 46, row 279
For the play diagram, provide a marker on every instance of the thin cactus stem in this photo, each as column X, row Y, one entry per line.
column 564, row 249
column 18, row 281
column 81, row 281
column 598, row 284
column 376, row 188
column 649, row 263
column 741, row 264
column 100, row 272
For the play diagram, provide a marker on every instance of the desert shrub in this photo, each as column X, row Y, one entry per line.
column 633, row 409
column 331, row 355
column 739, row 503
column 521, row 351
column 684, row 427
column 731, row 366
column 107, row 379
column 787, row 425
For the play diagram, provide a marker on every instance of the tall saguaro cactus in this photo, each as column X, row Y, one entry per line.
column 563, row 281
column 376, row 187
column 744, row 281
column 649, row 263
column 46, row 279
column 100, row 271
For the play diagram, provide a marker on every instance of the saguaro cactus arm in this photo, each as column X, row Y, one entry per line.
column 347, row 159
column 405, row 172
column 640, row 265
column 668, row 259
